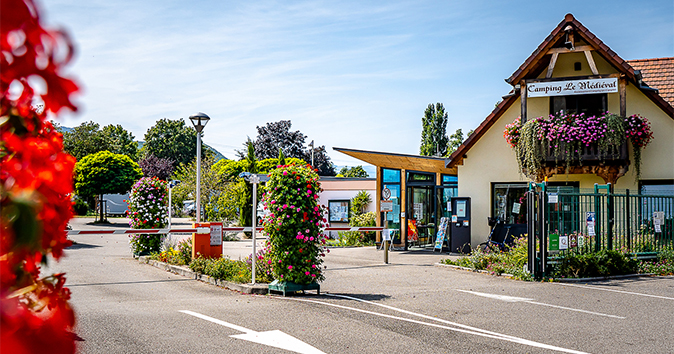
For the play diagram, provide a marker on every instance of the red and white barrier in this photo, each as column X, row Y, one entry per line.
column 201, row 230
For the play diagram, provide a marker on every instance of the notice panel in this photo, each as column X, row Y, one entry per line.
column 572, row 87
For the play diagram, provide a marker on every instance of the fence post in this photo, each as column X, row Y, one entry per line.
column 531, row 229
column 543, row 229
column 610, row 215
column 628, row 220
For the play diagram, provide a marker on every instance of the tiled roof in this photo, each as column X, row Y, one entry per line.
column 657, row 73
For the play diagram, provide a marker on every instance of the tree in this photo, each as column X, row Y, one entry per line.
column 277, row 136
column 120, row 141
column 353, row 172
column 212, row 184
column 322, row 161
column 455, row 140
column 434, row 131
column 83, row 140
column 105, row 173
column 87, row 139
column 172, row 139
column 154, row 166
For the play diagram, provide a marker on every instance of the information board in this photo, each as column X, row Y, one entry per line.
column 216, row 233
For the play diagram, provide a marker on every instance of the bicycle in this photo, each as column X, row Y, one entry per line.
column 493, row 246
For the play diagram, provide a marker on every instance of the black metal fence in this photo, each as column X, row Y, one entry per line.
column 596, row 220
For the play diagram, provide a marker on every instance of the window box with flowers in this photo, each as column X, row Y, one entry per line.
column 570, row 140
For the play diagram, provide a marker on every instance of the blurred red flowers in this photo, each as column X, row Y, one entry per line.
column 35, row 183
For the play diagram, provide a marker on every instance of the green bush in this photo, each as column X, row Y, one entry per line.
column 594, row 264
column 237, row 271
column 510, row 262
column 80, row 207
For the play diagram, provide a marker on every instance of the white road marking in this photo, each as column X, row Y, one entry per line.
column 615, row 291
column 531, row 301
column 274, row 338
column 472, row 330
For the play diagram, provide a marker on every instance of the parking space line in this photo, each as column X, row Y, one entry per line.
column 531, row 301
column 463, row 329
column 615, row 291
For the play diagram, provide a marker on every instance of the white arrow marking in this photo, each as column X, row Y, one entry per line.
column 531, row 301
column 274, row 338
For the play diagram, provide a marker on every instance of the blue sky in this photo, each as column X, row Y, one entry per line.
column 354, row 74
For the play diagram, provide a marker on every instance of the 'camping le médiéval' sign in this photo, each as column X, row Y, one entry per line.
column 572, row 87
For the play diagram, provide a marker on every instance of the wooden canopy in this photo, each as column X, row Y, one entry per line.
column 400, row 161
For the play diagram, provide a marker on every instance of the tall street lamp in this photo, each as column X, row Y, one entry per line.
column 199, row 121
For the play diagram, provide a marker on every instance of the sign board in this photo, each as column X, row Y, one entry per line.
column 216, row 233
column 553, row 240
column 386, row 206
column 442, row 233
column 386, row 235
column 553, row 198
column 591, row 220
column 563, row 242
column 461, row 208
column 516, row 208
column 658, row 220
column 572, row 87
column 386, row 193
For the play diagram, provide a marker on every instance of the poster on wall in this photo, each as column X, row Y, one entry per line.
column 339, row 210
column 461, row 208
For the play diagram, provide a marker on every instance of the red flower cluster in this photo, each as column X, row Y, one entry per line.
column 35, row 183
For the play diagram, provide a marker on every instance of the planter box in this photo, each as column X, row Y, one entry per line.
column 589, row 156
column 290, row 287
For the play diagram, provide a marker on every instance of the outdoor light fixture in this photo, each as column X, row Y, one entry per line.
column 199, row 121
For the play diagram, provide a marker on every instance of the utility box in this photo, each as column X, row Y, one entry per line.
column 460, row 225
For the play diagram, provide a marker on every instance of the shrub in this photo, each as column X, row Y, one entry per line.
column 511, row 261
column 594, row 264
column 80, row 207
column 295, row 243
column 237, row 271
column 180, row 255
column 148, row 209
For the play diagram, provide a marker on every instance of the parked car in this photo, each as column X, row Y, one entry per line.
column 190, row 208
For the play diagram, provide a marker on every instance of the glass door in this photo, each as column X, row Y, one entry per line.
column 421, row 221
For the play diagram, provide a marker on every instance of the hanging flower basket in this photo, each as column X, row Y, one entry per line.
column 576, row 139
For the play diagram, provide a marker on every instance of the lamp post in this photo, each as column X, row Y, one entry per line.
column 199, row 121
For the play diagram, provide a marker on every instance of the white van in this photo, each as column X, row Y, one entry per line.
column 115, row 204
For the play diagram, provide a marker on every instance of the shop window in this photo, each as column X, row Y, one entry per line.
column 657, row 189
column 390, row 176
column 339, row 210
column 451, row 184
column 391, row 180
column 509, row 202
column 420, row 177
column 591, row 105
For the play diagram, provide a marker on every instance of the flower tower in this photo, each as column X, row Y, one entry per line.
column 148, row 209
column 294, row 221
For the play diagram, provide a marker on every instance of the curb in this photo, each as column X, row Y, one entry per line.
column 261, row 289
column 505, row 275
column 557, row 280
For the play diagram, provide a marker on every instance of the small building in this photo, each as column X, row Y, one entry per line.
column 572, row 71
column 337, row 194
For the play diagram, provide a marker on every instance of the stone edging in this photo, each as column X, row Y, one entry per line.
column 559, row 280
column 186, row 272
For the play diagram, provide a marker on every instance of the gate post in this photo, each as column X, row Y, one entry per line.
column 543, row 228
column 531, row 229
